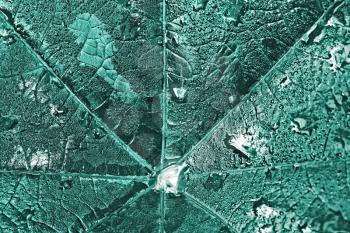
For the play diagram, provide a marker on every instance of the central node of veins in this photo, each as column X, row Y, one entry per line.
column 169, row 178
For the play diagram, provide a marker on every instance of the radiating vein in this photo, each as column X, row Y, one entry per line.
column 331, row 10
column 165, row 88
column 128, row 203
column 162, row 212
column 115, row 137
column 280, row 166
column 199, row 204
column 144, row 179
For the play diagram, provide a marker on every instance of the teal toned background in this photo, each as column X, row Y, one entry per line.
column 250, row 97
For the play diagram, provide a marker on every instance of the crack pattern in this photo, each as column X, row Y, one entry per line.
column 100, row 98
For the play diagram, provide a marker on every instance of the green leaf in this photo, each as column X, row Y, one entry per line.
column 174, row 116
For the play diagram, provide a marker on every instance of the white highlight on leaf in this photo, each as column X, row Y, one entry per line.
column 54, row 110
column 179, row 92
column 298, row 125
column 6, row 5
column 40, row 159
column 240, row 143
column 19, row 158
column 3, row 32
column 306, row 230
column 168, row 179
column 25, row 159
column 265, row 229
column 319, row 37
column 339, row 54
column 265, row 211
column 333, row 21
column 305, row 37
column 32, row 91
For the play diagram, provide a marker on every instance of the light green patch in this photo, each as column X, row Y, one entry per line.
column 97, row 52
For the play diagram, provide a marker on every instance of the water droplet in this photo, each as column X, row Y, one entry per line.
column 180, row 93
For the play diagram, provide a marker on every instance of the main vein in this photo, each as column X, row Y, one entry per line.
column 164, row 117
column 165, row 89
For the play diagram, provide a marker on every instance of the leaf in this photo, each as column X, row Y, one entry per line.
column 248, row 99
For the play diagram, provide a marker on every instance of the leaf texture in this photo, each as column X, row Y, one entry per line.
column 250, row 98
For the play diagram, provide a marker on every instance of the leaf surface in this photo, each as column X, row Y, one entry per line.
column 249, row 98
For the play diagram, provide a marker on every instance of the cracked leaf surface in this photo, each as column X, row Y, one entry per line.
column 100, row 98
